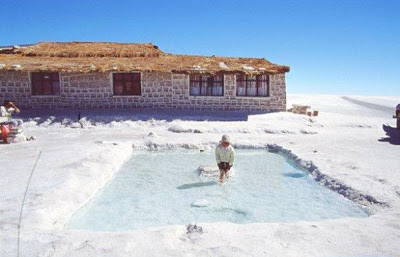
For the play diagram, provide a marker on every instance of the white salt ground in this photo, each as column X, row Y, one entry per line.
column 346, row 142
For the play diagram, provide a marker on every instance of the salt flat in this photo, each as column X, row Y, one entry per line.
column 346, row 142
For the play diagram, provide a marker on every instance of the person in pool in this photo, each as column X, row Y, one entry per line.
column 225, row 156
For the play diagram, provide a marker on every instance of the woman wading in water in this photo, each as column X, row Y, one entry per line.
column 225, row 156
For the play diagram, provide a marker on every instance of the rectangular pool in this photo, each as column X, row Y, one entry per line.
column 158, row 188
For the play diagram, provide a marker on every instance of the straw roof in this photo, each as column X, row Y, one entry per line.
column 87, row 49
column 89, row 57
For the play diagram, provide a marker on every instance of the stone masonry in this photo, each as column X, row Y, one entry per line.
column 159, row 90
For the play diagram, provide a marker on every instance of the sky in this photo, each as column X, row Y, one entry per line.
column 342, row 47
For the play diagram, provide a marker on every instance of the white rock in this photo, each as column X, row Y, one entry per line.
column 197, row 67
column 208, row 170
column 152, row 134
column 223, row 65
column 200, row 203
column 211, row 170
column 179, row 129
column 245, row 67
column 16, row 66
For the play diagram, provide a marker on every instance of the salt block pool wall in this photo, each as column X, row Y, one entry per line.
column 159, row 90
column 158, row 188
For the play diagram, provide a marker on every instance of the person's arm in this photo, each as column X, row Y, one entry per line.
column 232, row 157
column 217, row 155
column 16, row 109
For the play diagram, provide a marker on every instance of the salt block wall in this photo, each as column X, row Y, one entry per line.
column 276, row 102
column 159, row 90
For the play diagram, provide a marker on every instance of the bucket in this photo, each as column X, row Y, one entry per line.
column 4, row 131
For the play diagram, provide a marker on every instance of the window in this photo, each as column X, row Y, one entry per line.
column 127, row 84
column 45, row 83
column 205, row 85
column 247, row 85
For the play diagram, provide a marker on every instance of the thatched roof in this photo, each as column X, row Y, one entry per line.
column 86, row 49
column 90, row 57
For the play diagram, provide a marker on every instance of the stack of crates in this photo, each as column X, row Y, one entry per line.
column 16, row 135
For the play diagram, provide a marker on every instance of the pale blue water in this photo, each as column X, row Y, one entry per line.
column 157, row 188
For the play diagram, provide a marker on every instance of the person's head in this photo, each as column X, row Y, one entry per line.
column 7, row 103
column 225, row 141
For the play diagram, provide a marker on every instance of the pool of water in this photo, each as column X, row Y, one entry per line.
column 157, row 188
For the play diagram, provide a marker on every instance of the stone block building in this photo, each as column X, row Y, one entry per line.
column 114, row 75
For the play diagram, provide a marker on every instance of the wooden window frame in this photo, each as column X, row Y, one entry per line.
column 258, row 81
column 210, row 84
column 123, row 81
column 55, row 78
